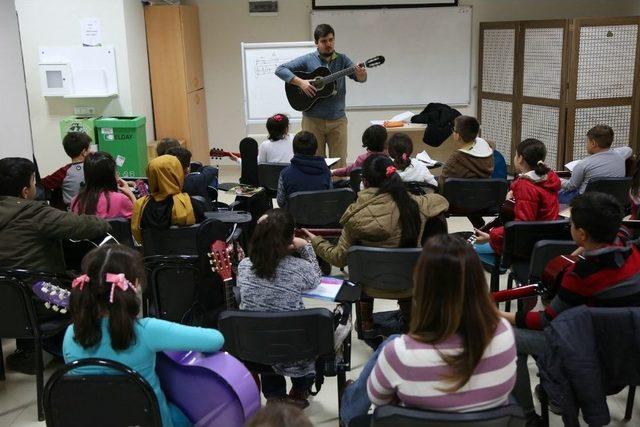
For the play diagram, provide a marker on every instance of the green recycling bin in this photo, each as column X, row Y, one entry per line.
column 86, row 124
column 125, row 138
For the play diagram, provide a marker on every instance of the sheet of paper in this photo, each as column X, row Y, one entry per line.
column 326, row 290
column 424, row 157
column 572, row 165
column 331, row 160
column 402, row 117
column 91, row 32
column 377, row 122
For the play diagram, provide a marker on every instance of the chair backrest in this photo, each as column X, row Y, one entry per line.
column 388, row 269
column 121, row 230
column 173, row 241
column 249, row 166
column 123, row 398
column 271, row 338
column 17, row 314
column 474, row 195
column 617, row 187
column 202, row 202
column 396, row 416
column 546, row 250
column 173, row 281
column 268, row 175
column 521, row 236
column 499, row 166
column 355, row 178
column 322, row 208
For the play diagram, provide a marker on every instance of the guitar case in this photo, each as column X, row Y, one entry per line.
column 211, row 390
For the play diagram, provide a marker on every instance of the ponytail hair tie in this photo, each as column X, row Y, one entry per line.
column 390, row 171
column 79, row 282
column 278, row 117
column 540, row 162
column 405, row 156
column 117, row 281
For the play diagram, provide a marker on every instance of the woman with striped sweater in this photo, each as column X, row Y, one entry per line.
column 459, row 354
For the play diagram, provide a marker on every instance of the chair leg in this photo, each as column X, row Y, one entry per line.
column 507, row 305
column 357, row 321
column 2, row 377
column 630, row 400
column 544, row 407
column 39, row 378
column 495, row 279
column 342, row 379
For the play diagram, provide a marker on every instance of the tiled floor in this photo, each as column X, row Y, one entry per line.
column 17, row 393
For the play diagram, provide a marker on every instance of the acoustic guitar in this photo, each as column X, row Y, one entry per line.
column 220, row 257
column 211, row 389
column 324, row 82
column 506, row 214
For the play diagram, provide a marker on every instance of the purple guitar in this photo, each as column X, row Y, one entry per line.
column 211, row 389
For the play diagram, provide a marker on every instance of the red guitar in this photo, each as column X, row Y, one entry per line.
column 220, row 260
column 217, row 153
column 549, row 283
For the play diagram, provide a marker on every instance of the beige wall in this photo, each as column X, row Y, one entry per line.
column 226, row 23
column 57, row 23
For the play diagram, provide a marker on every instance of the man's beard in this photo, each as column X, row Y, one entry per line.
column 326, row 55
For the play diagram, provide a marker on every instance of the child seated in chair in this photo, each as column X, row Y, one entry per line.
column 374, row 139
column 278, row 148
column 385, row 215
column 602, row 265
column 70, row 177
column 279, row 268
column 307, row 171
column 534, row 193
column 458, row 355
column 104, row 194
column 105, row 303
column 602, row 162
column 167, row 205
column 195, row 183
column 409, row 168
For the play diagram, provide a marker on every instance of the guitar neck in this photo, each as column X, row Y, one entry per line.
column 229, row 297
column 342, row 73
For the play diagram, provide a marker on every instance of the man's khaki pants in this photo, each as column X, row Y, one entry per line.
column 332, row 133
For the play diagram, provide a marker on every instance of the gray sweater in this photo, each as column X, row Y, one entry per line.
column 294, row 275
column 605, row 164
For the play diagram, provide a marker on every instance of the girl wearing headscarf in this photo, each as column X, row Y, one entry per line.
column 167, row 205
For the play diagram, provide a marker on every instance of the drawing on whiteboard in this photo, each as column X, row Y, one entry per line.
column 265, row 66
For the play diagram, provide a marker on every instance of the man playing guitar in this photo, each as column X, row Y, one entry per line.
column 326, row 118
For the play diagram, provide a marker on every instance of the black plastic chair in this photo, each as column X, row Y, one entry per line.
column 322, row 208
column 396, row 416
column 474, row 196
column 121, row 231
column 543, row 251
column 268, row 175
column 383, row 269
column 519, row 240
column 173, row 241
column 123, row 398
column 355, row 178
column 617, row 187
column 271, row 338
column 18, row 319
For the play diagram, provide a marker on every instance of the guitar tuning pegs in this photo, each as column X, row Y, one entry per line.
column 63, row 311
column 47, row 304
column 55, row 308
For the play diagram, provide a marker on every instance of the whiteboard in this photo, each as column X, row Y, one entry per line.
column 427, row 51
column 264, row 93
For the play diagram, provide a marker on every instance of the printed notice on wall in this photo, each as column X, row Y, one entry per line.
column 91, row 33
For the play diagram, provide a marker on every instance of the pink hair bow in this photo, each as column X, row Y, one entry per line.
column 390, row 171
column 117, row 281
column 80, row 281
column 405, row 156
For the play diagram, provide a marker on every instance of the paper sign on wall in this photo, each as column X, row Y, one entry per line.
column 91, row 33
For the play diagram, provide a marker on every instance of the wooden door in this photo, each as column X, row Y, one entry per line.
column 167, row 72
column 191, row 48
column 198, row 141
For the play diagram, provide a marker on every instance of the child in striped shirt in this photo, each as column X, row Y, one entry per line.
column 459, row 354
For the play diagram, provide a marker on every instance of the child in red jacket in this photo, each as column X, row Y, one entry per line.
column 534, row 191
